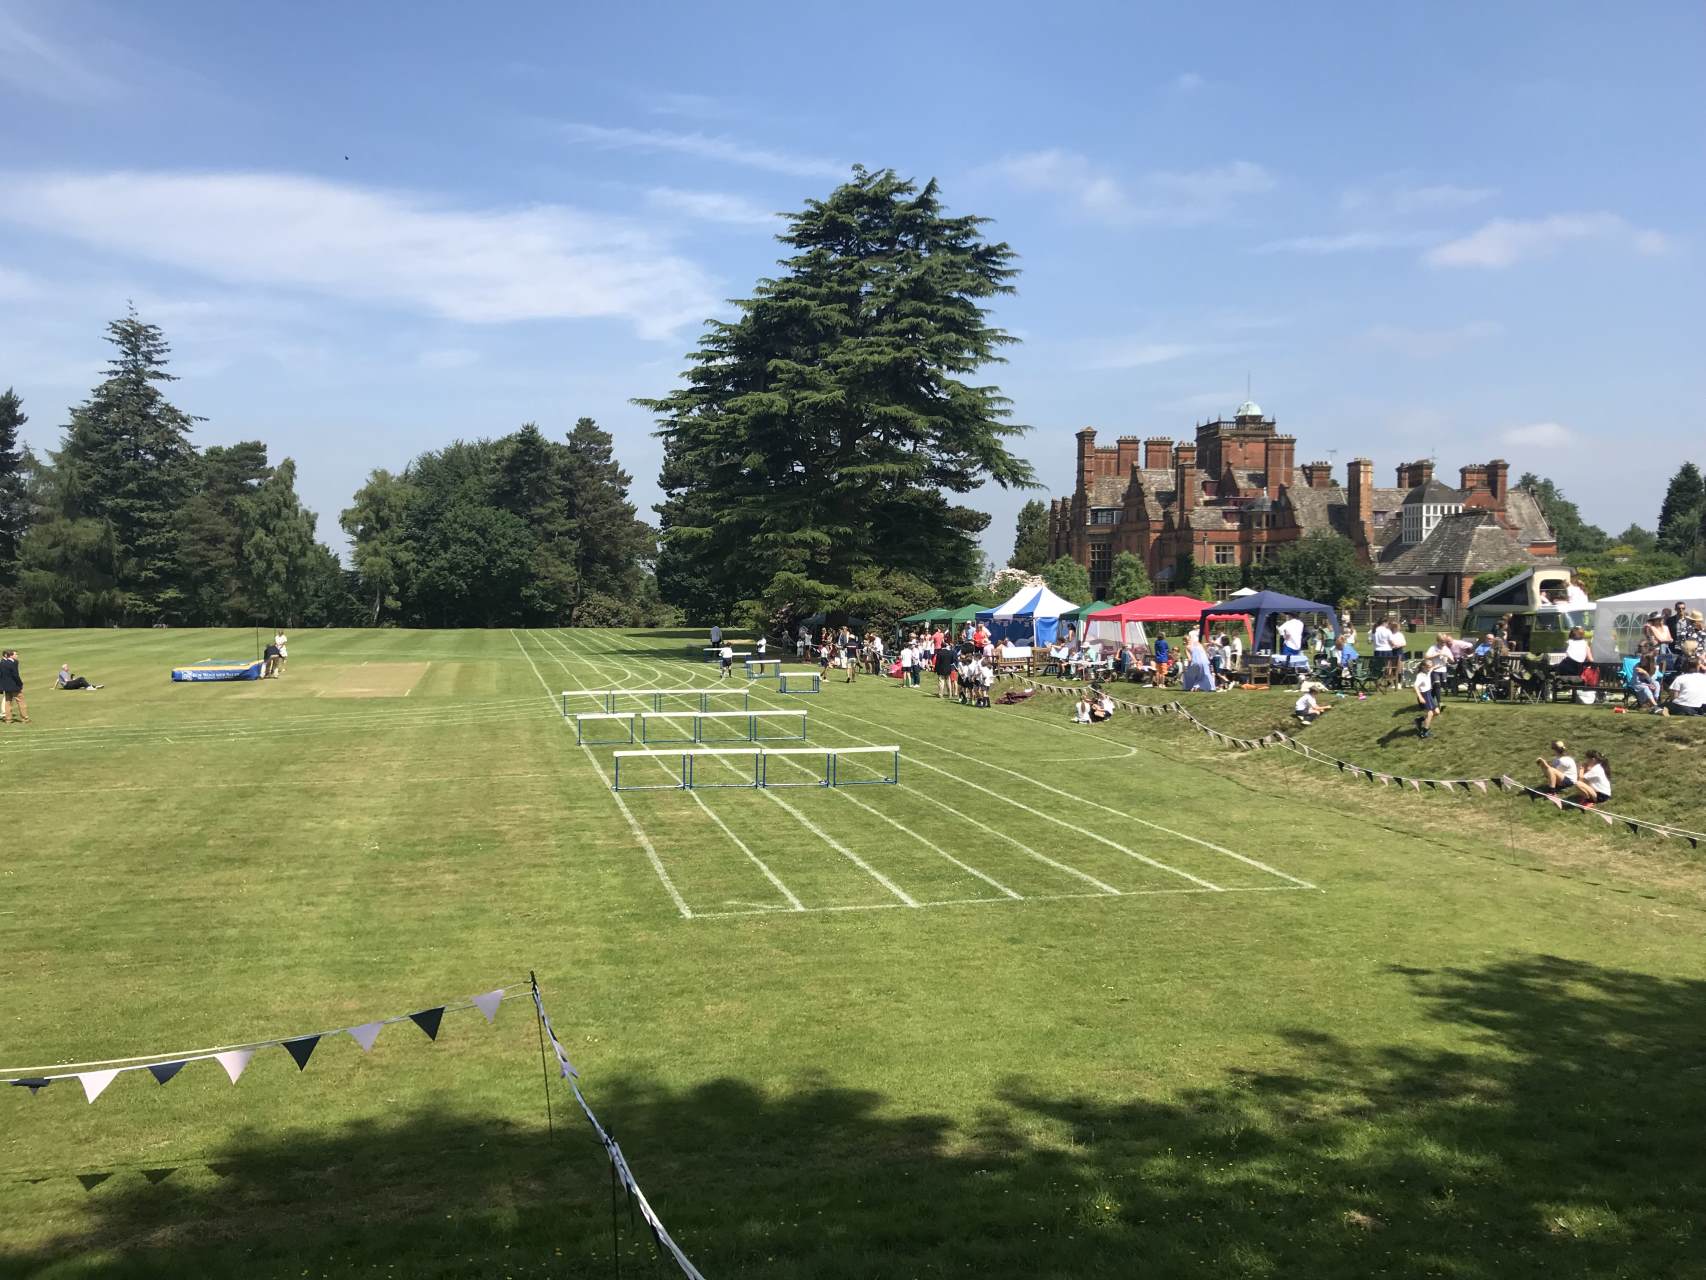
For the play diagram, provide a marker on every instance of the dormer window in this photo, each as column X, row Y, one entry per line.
column 1106, row 515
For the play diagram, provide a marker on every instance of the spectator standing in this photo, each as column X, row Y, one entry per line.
column 716, row 637
column 944, row 664
column 1291, row 637
column 281, row 642
column 908, row 656
column 1383, row 648
column 1427, row 698
column 12, row 689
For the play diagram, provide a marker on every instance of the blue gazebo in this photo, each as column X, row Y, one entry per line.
column 1262, row 606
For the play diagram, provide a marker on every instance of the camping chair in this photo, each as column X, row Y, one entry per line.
column 1259, row 670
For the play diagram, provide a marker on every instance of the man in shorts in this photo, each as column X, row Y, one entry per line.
column 725, row 661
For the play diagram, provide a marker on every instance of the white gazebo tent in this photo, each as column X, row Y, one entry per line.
column 1030, row 616
column 1618, row 619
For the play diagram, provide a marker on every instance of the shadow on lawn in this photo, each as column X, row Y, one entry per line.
column 1566, row 1144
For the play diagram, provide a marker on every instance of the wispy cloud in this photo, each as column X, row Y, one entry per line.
column 1429, row 343
column 704, row 146
column 400, row 249
column 1160, row 197
column 1188, row 82
column 1138, row 353
column 694, row 106
column 447, row 358
column 1350, row 242
column 1402, row 196
column 711, row 206
column 1503, row 242
column 1538, row 435
column 36, row 63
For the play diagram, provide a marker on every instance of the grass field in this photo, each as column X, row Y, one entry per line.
column 1068, row 1002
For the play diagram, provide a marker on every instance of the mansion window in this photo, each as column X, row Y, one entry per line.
column 1261, row 519
column 1105, row 515
column 1101, row 560
column 1421, row 518
column 1225, row 553
column 1261, row 555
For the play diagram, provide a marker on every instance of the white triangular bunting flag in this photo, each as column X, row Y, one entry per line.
column 1481, row 785
column 1609, row 821
column 366, row 1034
column 1414, row 785
column 1447, row 785
column 488, row 1003
column 95, row 1082
column 234, row 1060
column 563, row 1060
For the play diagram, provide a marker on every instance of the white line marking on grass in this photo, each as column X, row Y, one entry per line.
column 1096, row 804
column 1030, row 901
column 633, row 823
column 1038, row 813
column 793, row 902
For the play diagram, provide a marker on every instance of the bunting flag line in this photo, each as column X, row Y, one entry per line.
column 96, row 1076
column 618, row 1161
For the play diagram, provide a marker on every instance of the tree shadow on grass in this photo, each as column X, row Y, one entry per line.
column 1564, row 1140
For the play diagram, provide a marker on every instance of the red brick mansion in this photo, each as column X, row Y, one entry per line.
column 1234, row 497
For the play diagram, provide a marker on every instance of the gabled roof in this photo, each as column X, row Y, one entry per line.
column 1433, row 491
column 1471, row 541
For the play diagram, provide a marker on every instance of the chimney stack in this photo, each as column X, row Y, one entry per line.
column 1360, row 487
column 1086, row 458
column 1278, row 453
column 1185, row 476
column 1127, row 457
column 1157, row 453
column 1471, row 479
column 1318, row 475
column 1498, row 480
column 1413, row 474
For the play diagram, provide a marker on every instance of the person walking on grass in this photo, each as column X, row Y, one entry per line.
column 281, row 642
column 11, row 689
column 725, row 661
column 1427, row 698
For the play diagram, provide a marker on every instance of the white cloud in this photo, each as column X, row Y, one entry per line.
column 1161, row 197
column 15, row 286
column 712, row 206
column 1427, row 343
column 1350, row 242
column 698, row 106
column 1401, row 196
column 1188, row 82
column 1506, row 241
column 447, row 358
column 1137, row 354
column 34, row 63
column 1539, row 435
column 706, row 147
column 479, row 266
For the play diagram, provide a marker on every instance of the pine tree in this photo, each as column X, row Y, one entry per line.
column 821, row 430
column 533, row 484
column 278, row 549
column 1683, row 511
column 14, row 495
column 1030, row 545
column 211, row 535
column 1129, row 580
column 610, row 543
column 127, row 461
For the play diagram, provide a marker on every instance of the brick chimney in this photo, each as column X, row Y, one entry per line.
column 1472, row 478
column 1157, row 453
column 1360, row 488
column 1414, row 474
column 1277, row 455
column 1185, row 476
column 1318, row 475
column 1127, row 457
column 1499, row 480
column 1086, row 458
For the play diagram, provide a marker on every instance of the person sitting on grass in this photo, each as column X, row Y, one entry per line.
column 1306, row 708
column 65, row 680
column 1560, row 771
column 1101, row 706
column 1594, row 786
column 1427, row 697
column 1081, row 709
column 1646, row 688
column 1687, row 693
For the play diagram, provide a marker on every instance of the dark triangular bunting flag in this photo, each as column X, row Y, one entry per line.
column 1634, row 828
column 1693, row 843
column 222, row 1170
column 158, row 1176
column 35, row 1084
column 92, row 1180
column 164, row 1071
column 301, row 1050
column 427, row 1020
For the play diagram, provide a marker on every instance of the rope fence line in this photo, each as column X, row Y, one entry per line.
column 1468, row 786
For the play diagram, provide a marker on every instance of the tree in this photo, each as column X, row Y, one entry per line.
column 127, row 460
column 1129, row 580
column 533, row 483
column 1068, row 579
column 1030, row 546
column 210, row 535
column 1319, row 566
column 14, row 495
column 1575, row 535
column 1683, row 511
column 383, row 556
column 823, row 430
column 1637, row 539
column 611, row 545
column 1492, row 577
column 279, row 551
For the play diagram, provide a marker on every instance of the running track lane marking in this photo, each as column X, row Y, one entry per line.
column 633, row 824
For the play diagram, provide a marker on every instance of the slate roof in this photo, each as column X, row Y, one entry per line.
column 1432, row 492
column 1468, row 542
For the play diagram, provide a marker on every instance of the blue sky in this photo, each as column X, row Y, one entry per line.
column 1463, row 231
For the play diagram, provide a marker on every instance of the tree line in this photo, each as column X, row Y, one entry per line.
column 128, row 523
